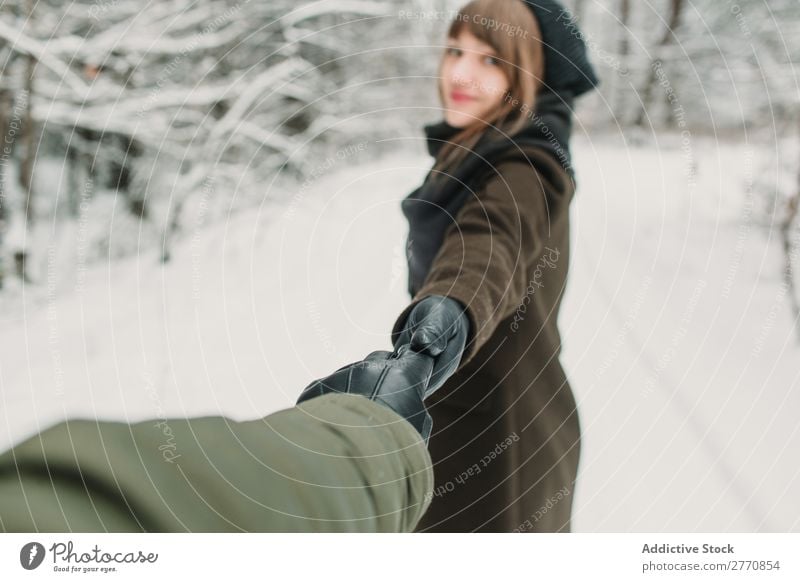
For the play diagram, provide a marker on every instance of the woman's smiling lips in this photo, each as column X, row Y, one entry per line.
column 460, row 97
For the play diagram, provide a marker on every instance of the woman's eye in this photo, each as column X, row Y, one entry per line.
column 451, row 50
column 491, row 61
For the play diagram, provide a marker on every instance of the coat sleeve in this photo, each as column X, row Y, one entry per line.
column 338, row 462
column 487, row 252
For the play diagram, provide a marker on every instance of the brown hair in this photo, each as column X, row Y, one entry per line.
column 511, row 29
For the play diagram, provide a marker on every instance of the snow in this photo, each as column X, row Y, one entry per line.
column 678, row 340
column 686, row 385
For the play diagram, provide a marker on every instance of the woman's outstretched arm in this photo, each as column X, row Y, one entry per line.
column 486, row 256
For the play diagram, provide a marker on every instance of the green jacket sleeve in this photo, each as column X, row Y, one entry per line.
column 338, row 462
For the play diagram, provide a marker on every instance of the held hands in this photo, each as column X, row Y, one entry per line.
column 427, row 352
column 398, row 380
column 437, row 326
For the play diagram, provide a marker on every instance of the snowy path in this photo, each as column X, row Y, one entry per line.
column 677, row 342
column 680, row 349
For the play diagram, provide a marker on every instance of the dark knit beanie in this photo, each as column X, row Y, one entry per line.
column 567, row 66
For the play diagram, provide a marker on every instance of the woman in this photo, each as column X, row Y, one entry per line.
column 489, row 241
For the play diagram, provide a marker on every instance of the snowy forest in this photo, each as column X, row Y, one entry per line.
column 164, row 107
column 188, row 187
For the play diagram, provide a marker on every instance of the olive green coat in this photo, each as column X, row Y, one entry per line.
column 334, row 463
column 506, row 436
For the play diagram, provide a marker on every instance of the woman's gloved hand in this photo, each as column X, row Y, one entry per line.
column 437, row 326
column 398, row 380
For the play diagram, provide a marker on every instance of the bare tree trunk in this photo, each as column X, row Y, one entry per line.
column 22, row 256
column 579, row 10
column 5, row 115
column 620, row 90
column 666, row 40
column 624, row 20
column 789, row 251
column 6, row 103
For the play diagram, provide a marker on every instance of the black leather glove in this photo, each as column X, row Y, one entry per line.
column 396, row 379
column 437, row 326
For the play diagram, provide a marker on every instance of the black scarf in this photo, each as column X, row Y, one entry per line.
column 432, row 207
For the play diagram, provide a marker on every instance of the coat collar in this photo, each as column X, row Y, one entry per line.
column 552, row 121
column 437, row 134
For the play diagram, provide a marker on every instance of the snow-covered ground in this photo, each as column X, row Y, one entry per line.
column 678, row 339
column 680, row 343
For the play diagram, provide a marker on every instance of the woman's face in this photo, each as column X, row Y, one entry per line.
column 472, row 81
